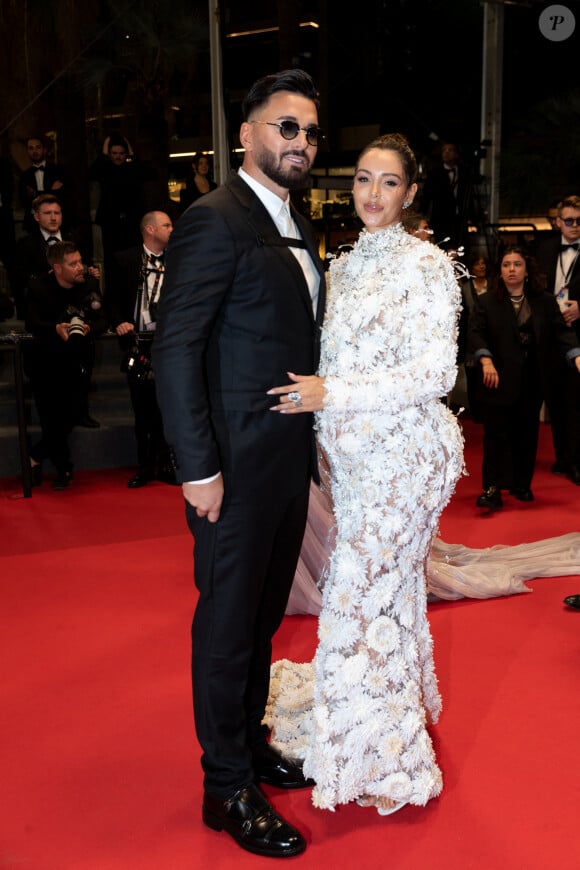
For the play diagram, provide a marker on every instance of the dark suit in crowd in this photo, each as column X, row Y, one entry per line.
column 57, row 369
column 29, row 190
column 563, row 393
column 128, row 274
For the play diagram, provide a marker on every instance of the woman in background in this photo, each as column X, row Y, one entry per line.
column 513, row 331
column 198, row 183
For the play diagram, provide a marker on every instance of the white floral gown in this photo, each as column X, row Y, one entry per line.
column 395, row 454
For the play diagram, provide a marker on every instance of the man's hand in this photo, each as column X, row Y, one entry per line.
column 124, row 328
column 206, row 498
column 571, row 311
column 62, row 330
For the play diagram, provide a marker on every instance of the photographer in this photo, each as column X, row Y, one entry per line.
column 64, row 313
column 133, row 289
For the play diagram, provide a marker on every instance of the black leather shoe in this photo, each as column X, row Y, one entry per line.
column 522, row 494
column 573, row 601
column 140, row 479
column 61, row 481
column 272, row 768
column 88, row 422
column 574, row 474
column 252, row 822
column 490, row 498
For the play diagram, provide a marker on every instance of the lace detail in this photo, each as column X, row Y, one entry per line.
column 395, row 454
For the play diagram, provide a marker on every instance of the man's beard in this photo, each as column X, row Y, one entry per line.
column 292, row 178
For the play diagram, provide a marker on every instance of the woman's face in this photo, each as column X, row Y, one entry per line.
column 479, row 268
column 202, row 166
column 380, row 189
column 513, row 272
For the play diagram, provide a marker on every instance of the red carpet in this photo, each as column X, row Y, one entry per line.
column 100, row 770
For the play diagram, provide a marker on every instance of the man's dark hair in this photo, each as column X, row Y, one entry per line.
column 45, row 199
column 59, row 250
column 117, row 141
column 295, row 81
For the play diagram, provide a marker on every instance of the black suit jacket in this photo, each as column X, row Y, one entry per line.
column 53, row 172
column 493, row 326
column 448, row 213
column 123, row 285
column 235, row 316
column 547, row 256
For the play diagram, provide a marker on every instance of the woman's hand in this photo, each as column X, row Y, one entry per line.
column 305, row 394
column 490, row 375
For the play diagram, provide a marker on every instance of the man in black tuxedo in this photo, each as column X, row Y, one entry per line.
column 133, row 292
column 559, row 258
column 30, row 253
column 446, row 198
column 242, row 305
column 42, row 176
column 120, row 176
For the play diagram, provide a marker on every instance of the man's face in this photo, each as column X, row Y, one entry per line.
column 449, row 154
column 49, row 217
column 117, row 154
column 161, row 230
column 284, row 162
column 552, row 218
column 570, row 233
column 36, row 150
column 71, row 271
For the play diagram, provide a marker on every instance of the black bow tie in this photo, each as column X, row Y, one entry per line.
column 574, row 246
column 40, row 166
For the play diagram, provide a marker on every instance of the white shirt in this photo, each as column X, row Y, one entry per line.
column 279, row 211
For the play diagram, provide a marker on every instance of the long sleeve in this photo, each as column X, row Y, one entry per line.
column 390, row 371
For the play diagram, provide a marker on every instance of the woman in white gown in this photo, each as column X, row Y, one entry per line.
column 395, row 453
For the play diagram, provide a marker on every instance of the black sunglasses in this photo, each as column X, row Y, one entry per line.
column 571, row 221
column 290, row 129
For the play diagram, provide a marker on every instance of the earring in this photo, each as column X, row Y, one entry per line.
column 407, row 203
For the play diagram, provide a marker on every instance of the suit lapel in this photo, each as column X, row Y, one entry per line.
column 260, row 220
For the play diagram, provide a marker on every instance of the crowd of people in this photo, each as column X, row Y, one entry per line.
column 125, row 291
column 252, row 369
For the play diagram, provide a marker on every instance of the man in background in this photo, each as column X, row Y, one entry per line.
column 134, row 288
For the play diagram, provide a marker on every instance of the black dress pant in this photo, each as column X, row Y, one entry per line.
column 563, row 401
column 510, row 437
column 152, row 449
column 244, row 568
column 58, row 382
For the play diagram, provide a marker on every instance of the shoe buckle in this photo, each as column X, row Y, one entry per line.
column 246, row 827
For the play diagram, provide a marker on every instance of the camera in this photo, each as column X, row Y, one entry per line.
column 137, row 364
column 77, row 326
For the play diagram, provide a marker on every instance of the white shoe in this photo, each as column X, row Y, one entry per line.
column 398, row 806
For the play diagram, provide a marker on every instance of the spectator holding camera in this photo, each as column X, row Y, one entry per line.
column 64, row 314
column 133, row 291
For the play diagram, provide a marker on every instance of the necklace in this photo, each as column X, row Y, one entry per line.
column 517, row 300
